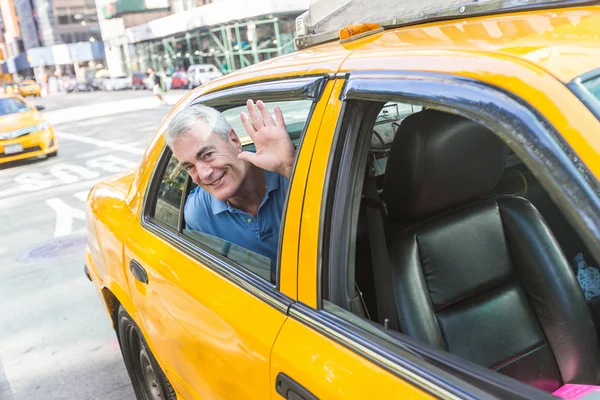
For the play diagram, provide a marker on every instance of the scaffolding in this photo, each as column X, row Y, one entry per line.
column 230, row 47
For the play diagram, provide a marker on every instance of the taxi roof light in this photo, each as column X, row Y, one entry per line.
column 357, row 31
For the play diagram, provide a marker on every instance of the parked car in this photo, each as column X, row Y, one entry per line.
column 24, row 131
column 199, row 74
column 179, row 80
column 138, row 80
column 119, row 82
column 446, row 179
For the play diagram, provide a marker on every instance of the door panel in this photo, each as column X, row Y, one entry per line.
column 328, row 370
column 206, row 330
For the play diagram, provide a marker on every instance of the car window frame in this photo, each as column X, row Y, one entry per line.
column 520, row 125
column 289, row 89
column 577, row 86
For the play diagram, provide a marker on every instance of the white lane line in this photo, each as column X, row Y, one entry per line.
column 65, row 214
column 101, row 143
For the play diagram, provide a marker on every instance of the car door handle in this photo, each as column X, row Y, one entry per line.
column 290, row 389
column 138, row 271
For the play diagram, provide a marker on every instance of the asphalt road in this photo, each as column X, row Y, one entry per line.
column 56, row 341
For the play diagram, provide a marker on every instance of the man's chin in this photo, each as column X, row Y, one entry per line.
column 221, row 194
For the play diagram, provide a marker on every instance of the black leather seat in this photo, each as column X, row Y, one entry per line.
column 480, row 276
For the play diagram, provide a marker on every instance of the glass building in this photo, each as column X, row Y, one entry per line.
column 230, row 34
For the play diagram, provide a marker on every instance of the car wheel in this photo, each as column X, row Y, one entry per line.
column 149, row 381
column 53, row 154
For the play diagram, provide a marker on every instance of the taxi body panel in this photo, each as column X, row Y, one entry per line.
column 217, row 335
column 35, row 135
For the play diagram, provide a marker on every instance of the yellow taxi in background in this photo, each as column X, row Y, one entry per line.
column 24, row 132
column 30, row 88
column 441, row 228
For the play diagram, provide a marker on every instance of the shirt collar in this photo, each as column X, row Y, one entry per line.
column 219, row 206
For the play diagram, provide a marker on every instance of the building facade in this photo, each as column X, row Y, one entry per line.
column 230, row 34
column 48, row 37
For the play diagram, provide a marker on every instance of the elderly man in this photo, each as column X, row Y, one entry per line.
column 240, row 195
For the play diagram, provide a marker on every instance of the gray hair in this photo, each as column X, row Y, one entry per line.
column 184, row 120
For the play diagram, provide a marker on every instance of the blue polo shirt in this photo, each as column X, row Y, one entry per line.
column 205, row 213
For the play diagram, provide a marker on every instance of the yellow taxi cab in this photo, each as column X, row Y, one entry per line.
column 24, row 132
column 29, row 88
column 441, row 233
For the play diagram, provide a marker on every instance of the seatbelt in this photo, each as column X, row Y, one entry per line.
column 382, row 270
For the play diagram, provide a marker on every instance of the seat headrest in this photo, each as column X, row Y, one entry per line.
column 438, row 161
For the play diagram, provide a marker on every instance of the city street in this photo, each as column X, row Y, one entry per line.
column 56, row 341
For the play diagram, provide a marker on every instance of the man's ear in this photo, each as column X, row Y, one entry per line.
column 235, row 139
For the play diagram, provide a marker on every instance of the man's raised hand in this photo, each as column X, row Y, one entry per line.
column 274, row 148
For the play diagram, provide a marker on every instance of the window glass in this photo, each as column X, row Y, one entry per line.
column 170, row 191
column 12, row 105
column 295, row 114
column 235, row 246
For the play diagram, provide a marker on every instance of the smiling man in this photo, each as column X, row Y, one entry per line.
column 240, row 195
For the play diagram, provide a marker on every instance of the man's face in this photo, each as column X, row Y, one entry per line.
column 211, row 161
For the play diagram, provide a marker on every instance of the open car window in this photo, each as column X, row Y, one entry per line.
column 428, row 255
column 174, row 187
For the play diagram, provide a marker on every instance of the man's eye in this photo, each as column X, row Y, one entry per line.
column 189, row 167
column 208, row 154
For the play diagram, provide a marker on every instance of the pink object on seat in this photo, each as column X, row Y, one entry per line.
column 572, row 392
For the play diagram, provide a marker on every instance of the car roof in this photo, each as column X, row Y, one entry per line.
column 563, row 41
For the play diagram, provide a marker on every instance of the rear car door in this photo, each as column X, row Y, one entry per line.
column 211, row 310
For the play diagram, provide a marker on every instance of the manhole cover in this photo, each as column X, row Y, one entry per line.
column 55, row 248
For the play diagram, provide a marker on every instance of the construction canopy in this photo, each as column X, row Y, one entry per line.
column 325, row 18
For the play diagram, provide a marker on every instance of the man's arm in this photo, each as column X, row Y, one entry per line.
column 274, row 149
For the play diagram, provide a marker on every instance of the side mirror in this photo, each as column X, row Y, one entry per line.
column 40, row 108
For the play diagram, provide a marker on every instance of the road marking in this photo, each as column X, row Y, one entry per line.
column 101, row 143
column 66, row 173
column 65, row 214
column 111, row 163
column 82, row 195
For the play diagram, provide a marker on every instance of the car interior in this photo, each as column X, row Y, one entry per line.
column 482, row 261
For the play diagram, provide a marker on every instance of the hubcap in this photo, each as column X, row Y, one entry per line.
column 150, row 378
column 145, row 374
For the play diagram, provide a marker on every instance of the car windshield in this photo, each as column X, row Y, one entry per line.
column 12, row 106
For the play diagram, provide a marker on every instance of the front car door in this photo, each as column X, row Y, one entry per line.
column 328, row 347
column 211, row 310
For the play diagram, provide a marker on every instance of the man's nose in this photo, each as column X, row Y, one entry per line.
column 204, row 171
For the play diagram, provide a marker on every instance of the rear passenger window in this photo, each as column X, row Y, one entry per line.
column 170, row 192
column 174, row 188
column 295, row 114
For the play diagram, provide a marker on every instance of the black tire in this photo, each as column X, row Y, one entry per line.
column 53, row 154
column 148, row 380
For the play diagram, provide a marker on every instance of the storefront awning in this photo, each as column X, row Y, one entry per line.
column 62, row 54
